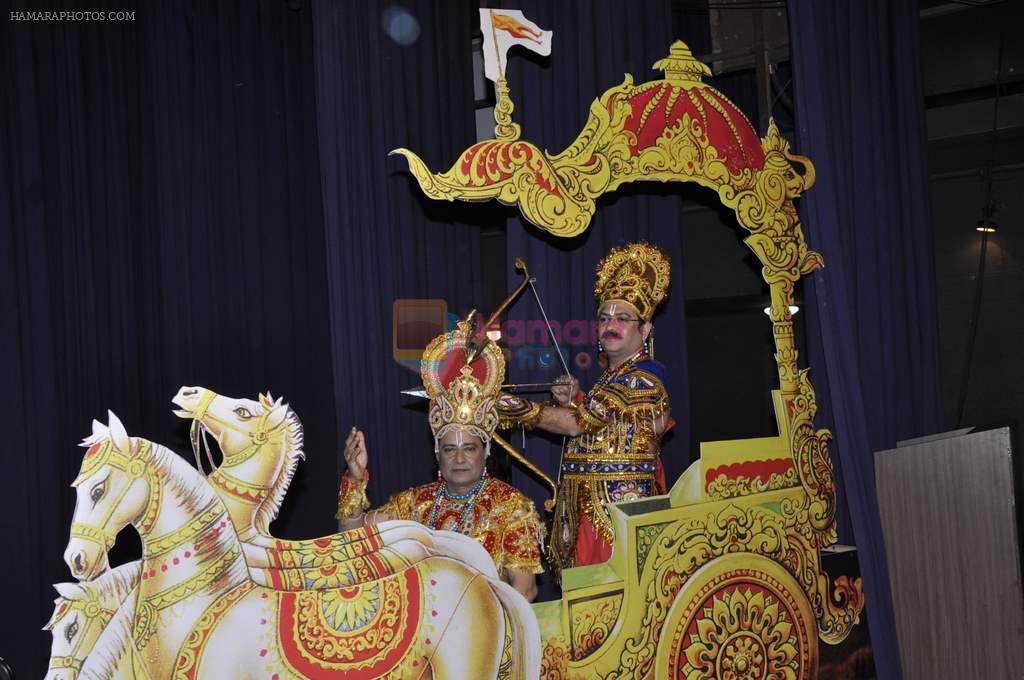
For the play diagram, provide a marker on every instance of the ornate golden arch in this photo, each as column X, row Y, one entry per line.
column 680, row 129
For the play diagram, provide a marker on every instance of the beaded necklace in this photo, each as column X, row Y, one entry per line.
column 608, row 375
column 472, row 495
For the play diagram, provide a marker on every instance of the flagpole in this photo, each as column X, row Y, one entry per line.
column 504, row 128
column 497, row 50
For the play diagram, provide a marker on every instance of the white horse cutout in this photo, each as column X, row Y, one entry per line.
column 92, row 627
column 199, row 613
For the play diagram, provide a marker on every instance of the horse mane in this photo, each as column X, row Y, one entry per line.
column 114, row 642
column 115, row 585
column 184, row 481
column 295, row 439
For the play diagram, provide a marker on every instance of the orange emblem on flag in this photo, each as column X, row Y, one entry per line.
column 504, row 22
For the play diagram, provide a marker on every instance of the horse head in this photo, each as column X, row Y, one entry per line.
column 81, row 616
column 113, row 490
column 261, row 442
column 242, row 427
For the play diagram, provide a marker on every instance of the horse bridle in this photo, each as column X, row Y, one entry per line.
column 134, row 466
column 94, row 613
column 258, row 437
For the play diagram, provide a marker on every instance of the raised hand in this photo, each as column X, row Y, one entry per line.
column 355, row 454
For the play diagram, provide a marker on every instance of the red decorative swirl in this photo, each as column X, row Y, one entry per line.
column 491, row 162
column 753, row 469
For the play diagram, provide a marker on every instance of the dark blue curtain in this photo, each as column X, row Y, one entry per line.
column 185, row 200
column 388, row 77
column 594, row 45
column 872, row 329
column 161, row 225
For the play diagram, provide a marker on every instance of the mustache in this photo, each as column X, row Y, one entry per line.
column 611, row 334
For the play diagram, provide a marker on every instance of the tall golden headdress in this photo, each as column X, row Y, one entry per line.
column 637, row 274
column 462, row 397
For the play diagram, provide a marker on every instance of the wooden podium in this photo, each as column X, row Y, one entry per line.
column 949, row 519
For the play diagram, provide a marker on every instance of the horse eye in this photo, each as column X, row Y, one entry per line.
column 243, row 413
column 97, row 491
column 71, row 630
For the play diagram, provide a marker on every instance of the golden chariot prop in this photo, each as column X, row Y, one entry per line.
column 722, row 577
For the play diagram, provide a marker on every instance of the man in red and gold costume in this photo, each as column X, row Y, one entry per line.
column 615, row 429
column 465, row 499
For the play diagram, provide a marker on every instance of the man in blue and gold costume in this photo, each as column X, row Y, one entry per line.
column 464, row 498
column 615, row 429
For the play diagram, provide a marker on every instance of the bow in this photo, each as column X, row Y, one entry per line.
column 528, row 280
column 479, row 339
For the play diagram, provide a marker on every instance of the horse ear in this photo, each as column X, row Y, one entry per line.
column 60, row 605
column 99, row 433
column 70, row 591
column 278, row 411
column 118, row 434
column 266, row 400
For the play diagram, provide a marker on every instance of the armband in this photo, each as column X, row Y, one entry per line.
column 352, row 498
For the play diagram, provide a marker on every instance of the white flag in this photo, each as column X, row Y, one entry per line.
column 503, row 28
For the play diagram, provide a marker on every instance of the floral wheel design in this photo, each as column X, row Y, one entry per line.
column 740, row 617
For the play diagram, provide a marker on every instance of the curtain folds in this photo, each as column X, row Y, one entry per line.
column 872, row 329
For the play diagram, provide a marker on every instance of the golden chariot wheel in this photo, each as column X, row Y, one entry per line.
column 739, row 617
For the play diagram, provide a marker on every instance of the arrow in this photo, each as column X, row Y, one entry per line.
column 422, row 393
